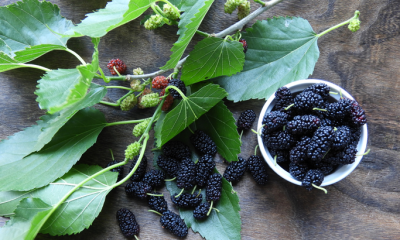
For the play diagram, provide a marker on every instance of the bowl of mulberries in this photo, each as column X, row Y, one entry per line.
column 312, row 133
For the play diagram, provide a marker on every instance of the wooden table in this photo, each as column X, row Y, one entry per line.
column 365, row 205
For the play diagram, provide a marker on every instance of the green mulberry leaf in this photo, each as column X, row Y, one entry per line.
column 61, row 88
column 30, row 29
column 33, row 138
column 115, row 14
column 55, row 158
column 194, row 13
column 73, row 215
column 187, row 111
column 29, row 217
column 213, row 57
column 280, row 51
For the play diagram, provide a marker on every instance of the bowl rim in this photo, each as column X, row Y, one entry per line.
column 341, row 172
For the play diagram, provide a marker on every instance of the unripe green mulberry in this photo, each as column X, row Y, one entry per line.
column 129, row 102
column 138, row 130
column 170, row 12
column 132, row 150
column 155, row 21
column 243, row 9
column 138, row 71
column 136, row 85
column 354, row 25
column 231, row 5
column 149, row 100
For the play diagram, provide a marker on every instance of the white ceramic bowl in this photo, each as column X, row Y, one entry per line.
column 342, row 171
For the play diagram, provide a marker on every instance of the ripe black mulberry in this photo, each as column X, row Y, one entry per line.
column 154, row 178
column 180, row 85
column 246, row 120
column 313, row 176
column 176, row 149
column 187, row 200
column 274, row 120
column 214, row 187
column 158, row 203
column 203, row 143
column 200, row 212
column 169, row 165
column 187, row 174
column 320, row 143
column 127, row 223
column 138, row 189
column 174, row 223
column 257, row 169
column 204, row 168
column 235, row 170
column 140, row 171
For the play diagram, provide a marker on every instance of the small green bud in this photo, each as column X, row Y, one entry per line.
column 132, row 150
column 129, row 102
column 138, row 71
column 155, row 21
column 139, row 129
column 243, row 10
column 354, row 25
column 170, row 13
column 136, row 85
column 149, row 100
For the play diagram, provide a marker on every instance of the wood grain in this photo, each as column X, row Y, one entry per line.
column 365, row 205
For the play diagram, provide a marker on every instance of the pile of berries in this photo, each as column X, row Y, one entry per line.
column 310, row 134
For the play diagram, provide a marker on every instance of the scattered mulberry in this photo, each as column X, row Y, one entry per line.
column 274, row 120
column 303, row 125
column 154, row 178
column 306, row 101
column 298, row 171
column 313, row 176
column 244, row 43
column 119, row 170
column 246, row 119
column 173, row 223
column 127, row 223
column 320, row 143
column 235, row 170
column 298, row 154
column 257, row 169
column 169, row 165
column 279, row 140
column 138, row 189
column 118, row 64
column 180, row 85
column 140, row 171
column 321, row 89
column 341, row 137
column 214, row 187
column 204, row 168
column 187, row 174
column 159, row 82
column 203, row 143
column 176, row 149
column 158, row 203
column 186, row 200
column 200, row 212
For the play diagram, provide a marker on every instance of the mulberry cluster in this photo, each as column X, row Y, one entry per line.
column 319, row 134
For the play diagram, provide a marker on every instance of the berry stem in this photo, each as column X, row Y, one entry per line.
column 170, row 180
column 204, row 34
column 198, row 194
column 119, row 87
column 320, row 109
column 320, row 188
column 194, row 189
column 178, row 90
column 211, row 207
column 136, row 237
column 125, row 122
column 216, row 209
column 118, row 103
column 180, row 193
column 154, row 212
column 112, row 155
column 115, row 69
column 275, row 159
column 155, row 195
column 76, row 55
column 291, row 105
column 365, row 153
column 356, row 16
column 255, row 150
